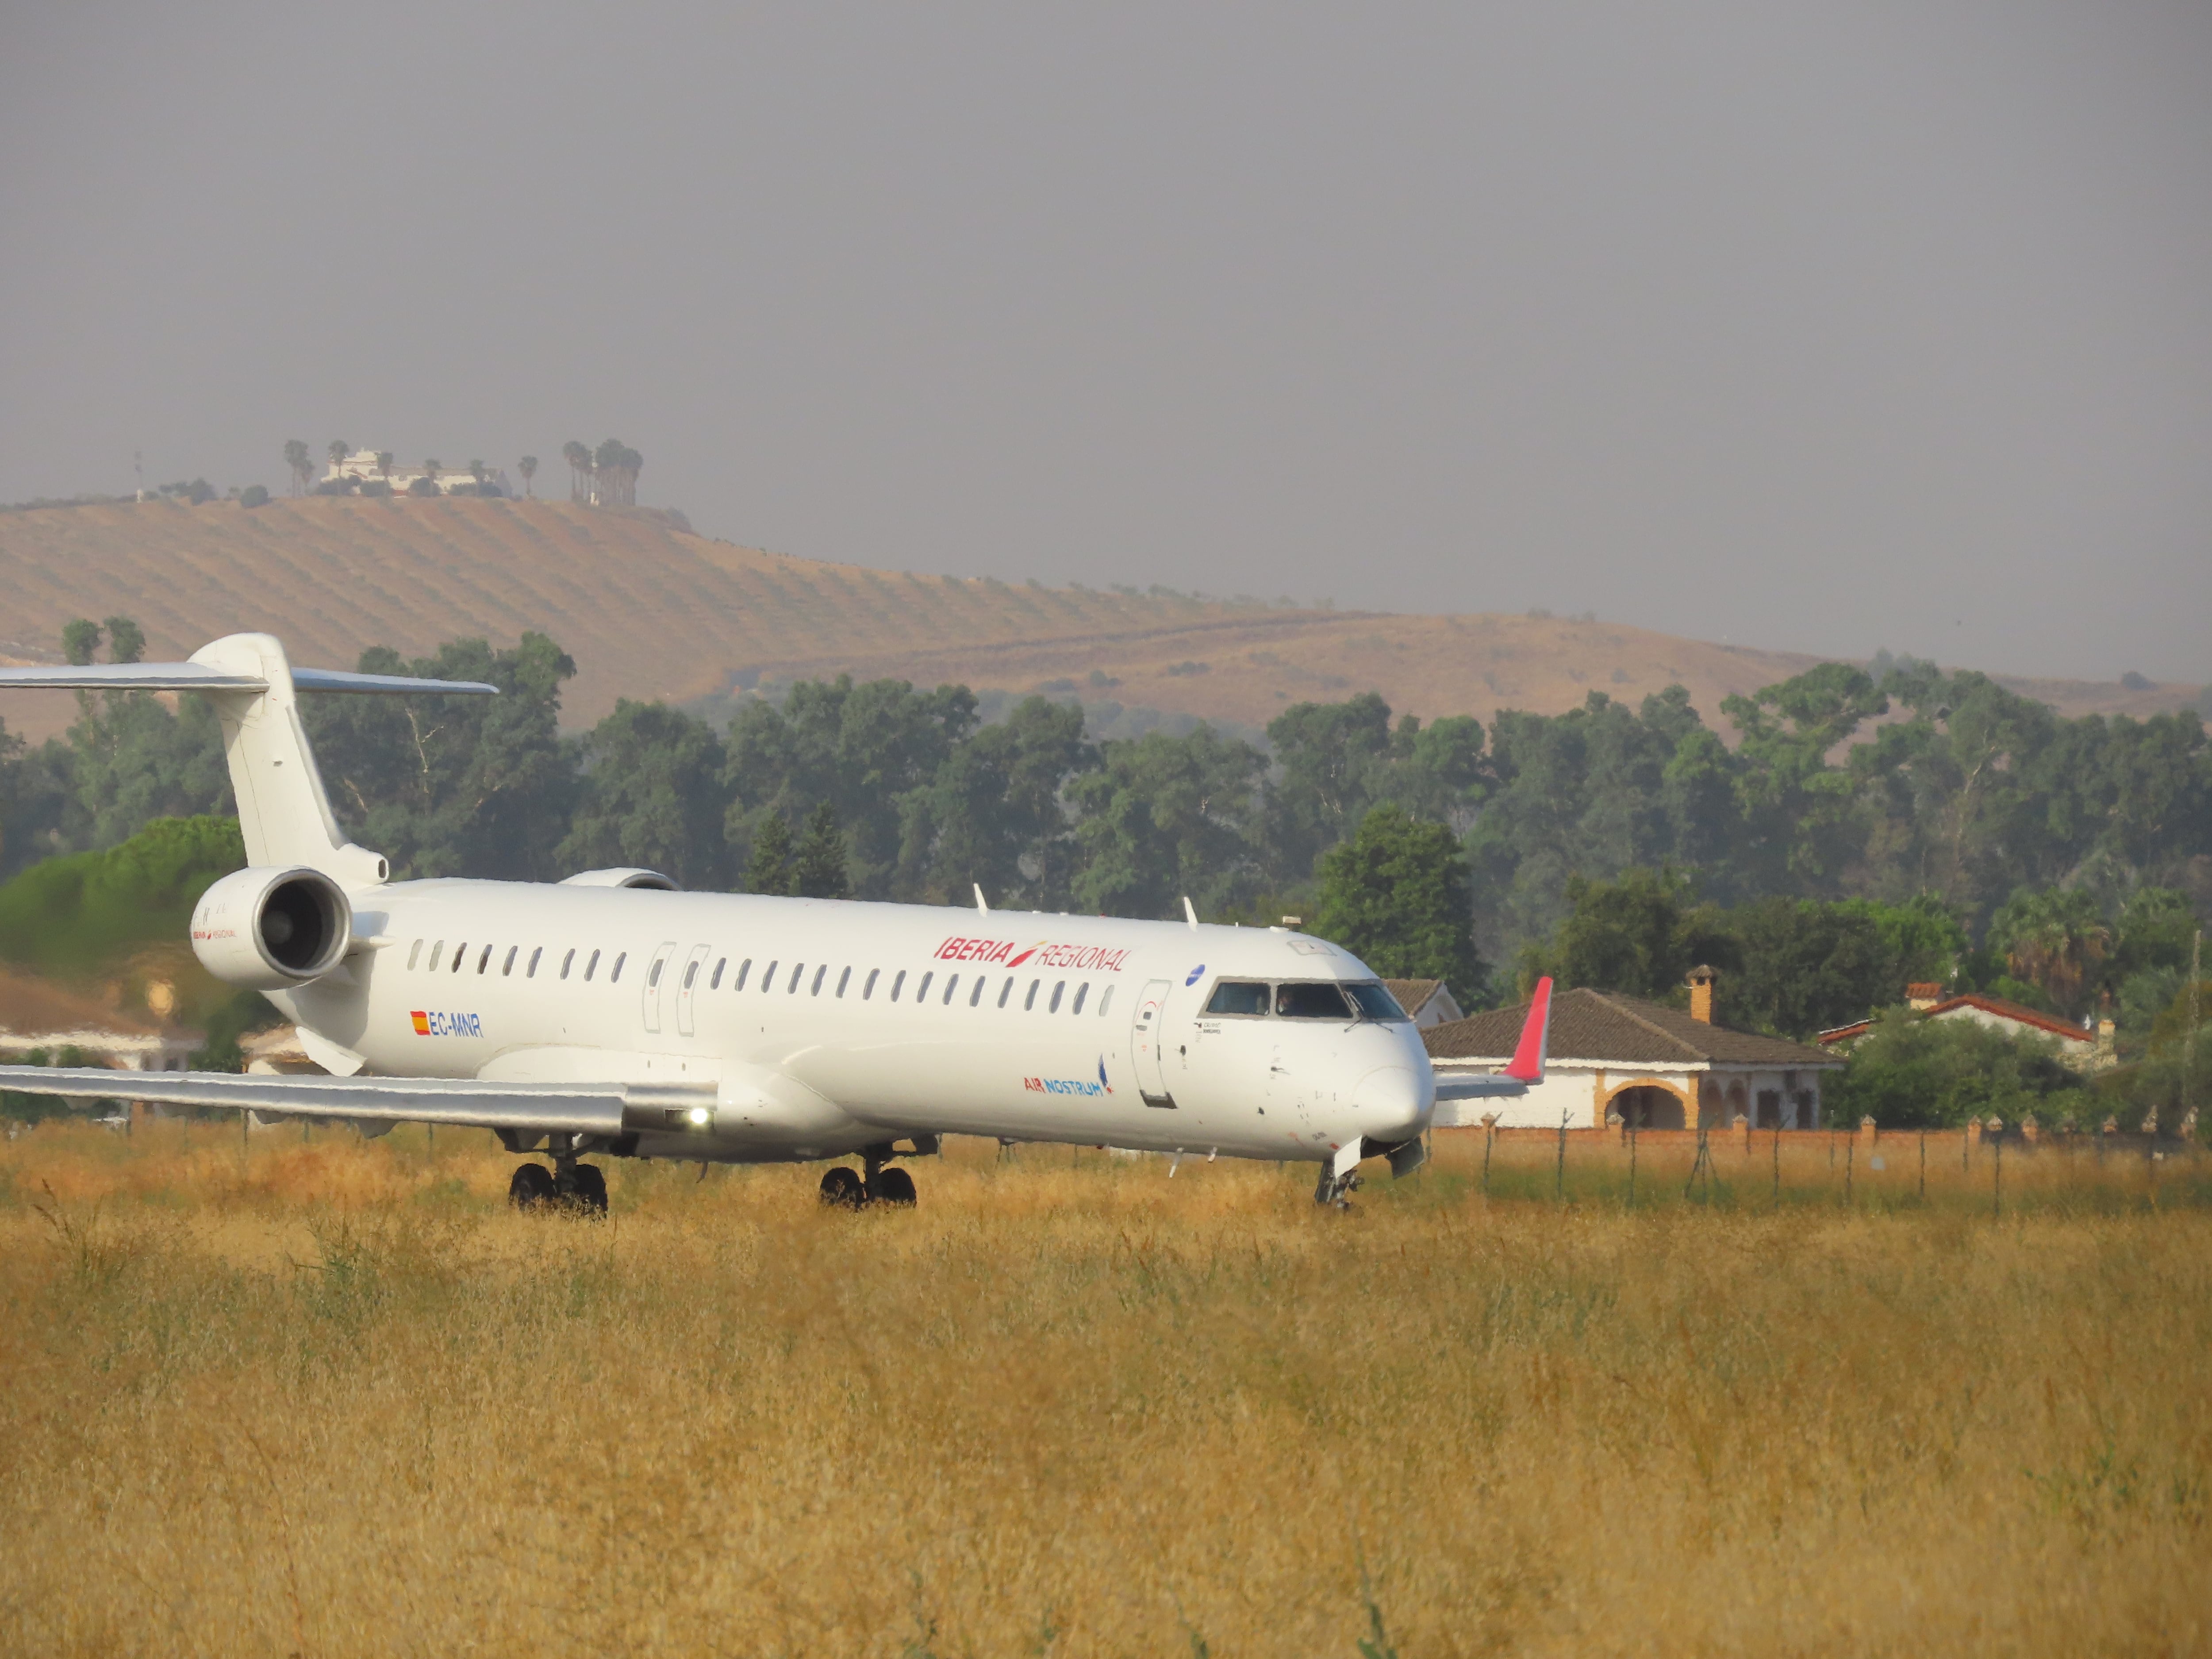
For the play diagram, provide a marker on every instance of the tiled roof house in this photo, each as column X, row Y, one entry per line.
column 1614, row 1058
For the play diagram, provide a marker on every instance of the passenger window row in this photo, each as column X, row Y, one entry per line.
column 978, row 985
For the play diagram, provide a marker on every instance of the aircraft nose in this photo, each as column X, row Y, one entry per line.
column 1393, row 1101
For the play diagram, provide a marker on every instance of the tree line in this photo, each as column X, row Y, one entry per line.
column 1968, row 836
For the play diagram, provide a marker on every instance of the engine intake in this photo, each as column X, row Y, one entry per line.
column 266, row 930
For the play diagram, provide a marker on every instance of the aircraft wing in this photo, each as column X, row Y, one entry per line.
column 608, row 1108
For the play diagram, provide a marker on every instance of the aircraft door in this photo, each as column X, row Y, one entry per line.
column 687, row 987
column 655, row 972
column 1145, row 1035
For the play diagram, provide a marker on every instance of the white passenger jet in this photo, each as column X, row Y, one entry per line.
column 610, row 1014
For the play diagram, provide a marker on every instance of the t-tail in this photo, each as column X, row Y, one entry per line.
column 1527, row 1062
column 283, row 814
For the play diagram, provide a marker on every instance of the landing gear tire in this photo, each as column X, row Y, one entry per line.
column 841, row 1189
column 587, row 1190
column 891, row 1186
column 532, row 1187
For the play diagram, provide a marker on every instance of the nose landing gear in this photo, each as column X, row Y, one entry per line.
column 1339, row 1178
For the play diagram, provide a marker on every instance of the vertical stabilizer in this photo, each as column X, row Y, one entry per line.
column 283, row 812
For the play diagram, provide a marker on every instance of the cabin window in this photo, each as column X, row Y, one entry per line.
column 1057, row 989
column 484, row 960
column 1005, row 990
column 869, row 989
column 715, row 979
column 591, row 967
column 690, row 973
column 767, row 979
column 1081, row 992
column 1030, row 1001
column 616, row 974
column 743, row 968
column 414, row 955
column 1311, row 1001
column 1105, row 997
column 652, row 974
column 820, row 975
column 975, row 996
column 1239, row 997
column 843, row 980
column 568, row 962
column 459, row 950
column 922, row 991
column 898, row 985
column 951, row 985
column 530, row 972
column 508, row 967
column 798, row 972
column 436, row 950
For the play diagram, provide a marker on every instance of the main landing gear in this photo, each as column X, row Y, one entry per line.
column 846, row 1188
column 567, row 1185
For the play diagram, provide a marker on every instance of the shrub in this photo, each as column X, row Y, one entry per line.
column 253, row 495
column 424, row 487
column 1913, row 1072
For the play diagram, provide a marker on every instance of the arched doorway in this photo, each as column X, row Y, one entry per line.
column 1647, row 1106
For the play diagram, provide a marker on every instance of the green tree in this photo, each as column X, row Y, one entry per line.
column 528, row 467
column 338, row 449
column 80, row 640
column 1397, row 896
column 300, row 459
column 1640, row 934
column 818, row 866
column 446, row 785
column 651, row 795
column 1912, row 1071
column 1165, row 817
column 769, row 869
column 993, row 815
column 2056, row 941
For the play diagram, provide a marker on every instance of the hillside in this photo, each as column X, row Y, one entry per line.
column 649, row 611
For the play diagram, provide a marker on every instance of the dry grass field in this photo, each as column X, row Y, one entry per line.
column 329, row 1397
column 649, row 611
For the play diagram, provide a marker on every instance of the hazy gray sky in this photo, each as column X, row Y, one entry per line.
column 1821, row 327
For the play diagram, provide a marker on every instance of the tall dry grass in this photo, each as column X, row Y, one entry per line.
column 329, row 1397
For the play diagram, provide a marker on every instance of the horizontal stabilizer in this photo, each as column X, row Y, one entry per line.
column 199, row 677
column 1477, row 1085
column 561, row 1108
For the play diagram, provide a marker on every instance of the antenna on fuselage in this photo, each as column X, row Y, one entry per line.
column 982, row 909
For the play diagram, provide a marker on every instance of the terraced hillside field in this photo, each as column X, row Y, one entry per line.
column 650, row 611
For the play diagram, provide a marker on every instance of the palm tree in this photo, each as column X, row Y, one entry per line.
column 339, row 449
column 479, row 472
column 299, row 459
column 2056, row 940
column 528, row 467
column 384, row 466
column 580, row 469
column 618, row 465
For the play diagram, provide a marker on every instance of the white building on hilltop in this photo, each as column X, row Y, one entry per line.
column 360, row 468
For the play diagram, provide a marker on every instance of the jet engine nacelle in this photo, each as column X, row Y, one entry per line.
column 269, row 929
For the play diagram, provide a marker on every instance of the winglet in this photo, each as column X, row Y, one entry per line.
column 1535, row 1037
column 1189, row 914
column 982, row 909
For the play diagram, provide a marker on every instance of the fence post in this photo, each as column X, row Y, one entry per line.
column 1559, row 1175
column 1996, row 1188
column 1631, row 1166
column 1777, row 1166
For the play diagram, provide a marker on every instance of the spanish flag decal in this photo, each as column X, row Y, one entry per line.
column 422, row 1022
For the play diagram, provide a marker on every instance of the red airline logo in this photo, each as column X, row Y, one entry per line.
column 1084, row 958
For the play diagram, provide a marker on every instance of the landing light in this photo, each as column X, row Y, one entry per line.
column 700, row 1116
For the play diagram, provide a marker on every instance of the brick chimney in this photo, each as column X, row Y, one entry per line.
column 1921, row 996
column 1701, row 993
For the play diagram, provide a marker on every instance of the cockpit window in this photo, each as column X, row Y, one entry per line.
column 1373, row 1001
column 1311, row 1001
column 1237, row 996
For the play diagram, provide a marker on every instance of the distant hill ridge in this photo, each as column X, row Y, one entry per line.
column 651, row 611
